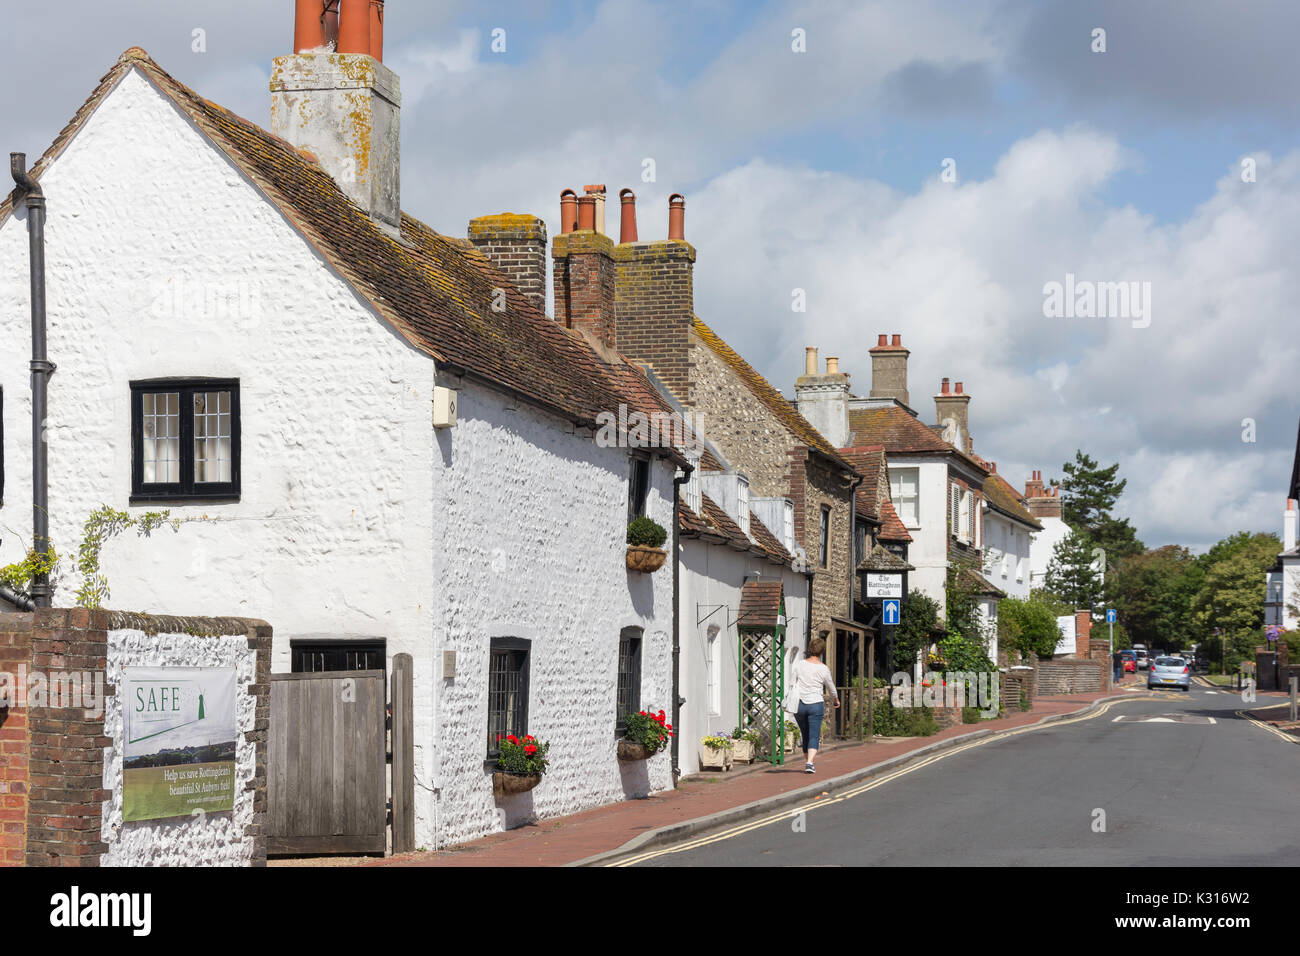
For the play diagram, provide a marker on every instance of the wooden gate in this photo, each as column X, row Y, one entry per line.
column 326, row 771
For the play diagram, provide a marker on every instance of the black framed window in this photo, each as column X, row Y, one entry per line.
column 308, row 656
column 507, row 691
column 638, row 486
column 824, row 546
column 629, row 677
column 185, row 439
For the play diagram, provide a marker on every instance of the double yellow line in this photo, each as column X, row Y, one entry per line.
column 859, row 789
column 1269, row 727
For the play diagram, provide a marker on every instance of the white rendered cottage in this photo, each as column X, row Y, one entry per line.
column 249, row 333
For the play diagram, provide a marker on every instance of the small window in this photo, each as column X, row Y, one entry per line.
column 787, row 525
column 638, row 486
column 507, row 691
column 714, row 687
column 742, row 504
column 185, row 439
column 629, row 677
column 311, row 656
column 824, row 547
column 693, row 489
column 903, row 485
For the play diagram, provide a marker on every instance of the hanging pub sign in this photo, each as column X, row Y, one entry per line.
column 883, row 584
column 179, row 752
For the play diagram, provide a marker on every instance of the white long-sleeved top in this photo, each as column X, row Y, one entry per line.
column 809, row 679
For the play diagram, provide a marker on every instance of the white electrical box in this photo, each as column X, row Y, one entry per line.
column 444, row 407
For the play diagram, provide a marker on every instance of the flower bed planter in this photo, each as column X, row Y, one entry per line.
column 715, row 758
column 743, row 751
column 645, row 559
column 628, row 751
column 506, row 784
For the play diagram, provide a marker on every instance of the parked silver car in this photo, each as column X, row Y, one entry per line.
column 1169, row 672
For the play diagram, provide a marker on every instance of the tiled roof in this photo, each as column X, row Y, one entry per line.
column 867, row 460
column 760, row 604
column 435, row 291
column 979, row 584
column 901, row 433
column 773, row 400
column 1000, row 495
column 881, row 559
column 891, row 526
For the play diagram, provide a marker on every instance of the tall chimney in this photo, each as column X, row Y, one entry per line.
column 951, row 411
column 584, row 274
column 343, row 107
column 655, row 303
column 889, row 370
column 516, row 245
column 1041, row 501
column 627, row 216
column 568, row 211
column 824, row 399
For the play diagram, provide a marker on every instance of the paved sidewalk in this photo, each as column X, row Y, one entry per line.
column 564, row 840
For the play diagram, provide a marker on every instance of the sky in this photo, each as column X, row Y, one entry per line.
column 916, row 167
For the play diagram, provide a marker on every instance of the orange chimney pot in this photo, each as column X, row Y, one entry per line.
column 587, row 212
column 377, row 29
column 354, row 26
column 627, row 216
column 308, row 25
column 676, row 216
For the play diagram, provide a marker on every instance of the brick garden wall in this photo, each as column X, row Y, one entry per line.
column 1071, row 676
column 52, row 757
column 15, row 657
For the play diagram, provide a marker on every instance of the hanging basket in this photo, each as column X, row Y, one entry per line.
column 506, row 784
column 629, row 751
column 645, row 559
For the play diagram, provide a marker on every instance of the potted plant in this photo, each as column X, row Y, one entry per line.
column 744, row 742
column 715, row 751
column 645, row 541
column 520, row 764
column 645, row 736
column 791, row 735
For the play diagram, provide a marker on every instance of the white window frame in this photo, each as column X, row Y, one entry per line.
column 787, row 527
column 713, row 687
column 902, row 501
column 742, row 503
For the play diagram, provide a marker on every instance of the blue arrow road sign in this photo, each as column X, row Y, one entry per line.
column 889, row 612
column 1110, row 616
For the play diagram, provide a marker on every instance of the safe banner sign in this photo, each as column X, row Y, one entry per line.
column 179, row 754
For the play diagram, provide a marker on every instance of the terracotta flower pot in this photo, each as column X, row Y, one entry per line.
column 644, row 559
column 505, row 784
column 627, row 750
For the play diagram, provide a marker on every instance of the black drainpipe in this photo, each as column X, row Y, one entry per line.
column 678, row 700
column 41, row 369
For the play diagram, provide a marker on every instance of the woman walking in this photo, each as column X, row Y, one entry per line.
column 807, row 678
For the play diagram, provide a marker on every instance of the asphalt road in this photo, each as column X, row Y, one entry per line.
column 1178, row 792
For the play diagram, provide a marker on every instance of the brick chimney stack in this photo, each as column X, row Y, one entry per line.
column 952, row 411
column 584, row 273
column 655, row 300
column 516, row 245
column 1042, row 502
column 343, row 107
column 889, row 369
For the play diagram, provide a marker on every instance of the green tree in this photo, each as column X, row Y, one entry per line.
column 1231, row 595
column 918, row 625
column 1028, row 626
column 1153, row 593
column 1089, row 493
column 1072, row 574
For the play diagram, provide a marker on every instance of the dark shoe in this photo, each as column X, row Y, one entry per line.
column 808, row 768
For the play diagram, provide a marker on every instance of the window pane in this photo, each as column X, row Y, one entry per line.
column 212, row 437
column 160, row 448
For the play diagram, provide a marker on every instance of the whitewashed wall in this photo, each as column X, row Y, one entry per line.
column 1041, row 547
column 355, row 517
column 713, row 575
column 928, row 552
column 214, row 839
column 532, row 545
column 1006, row 554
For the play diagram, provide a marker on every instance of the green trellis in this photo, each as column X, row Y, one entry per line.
column 762, row 686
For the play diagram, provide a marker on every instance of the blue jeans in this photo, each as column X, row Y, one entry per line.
column 809, row 719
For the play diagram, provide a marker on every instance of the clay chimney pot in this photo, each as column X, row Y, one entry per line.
column 568, row 211
column 677, row 216
column 627, row 218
